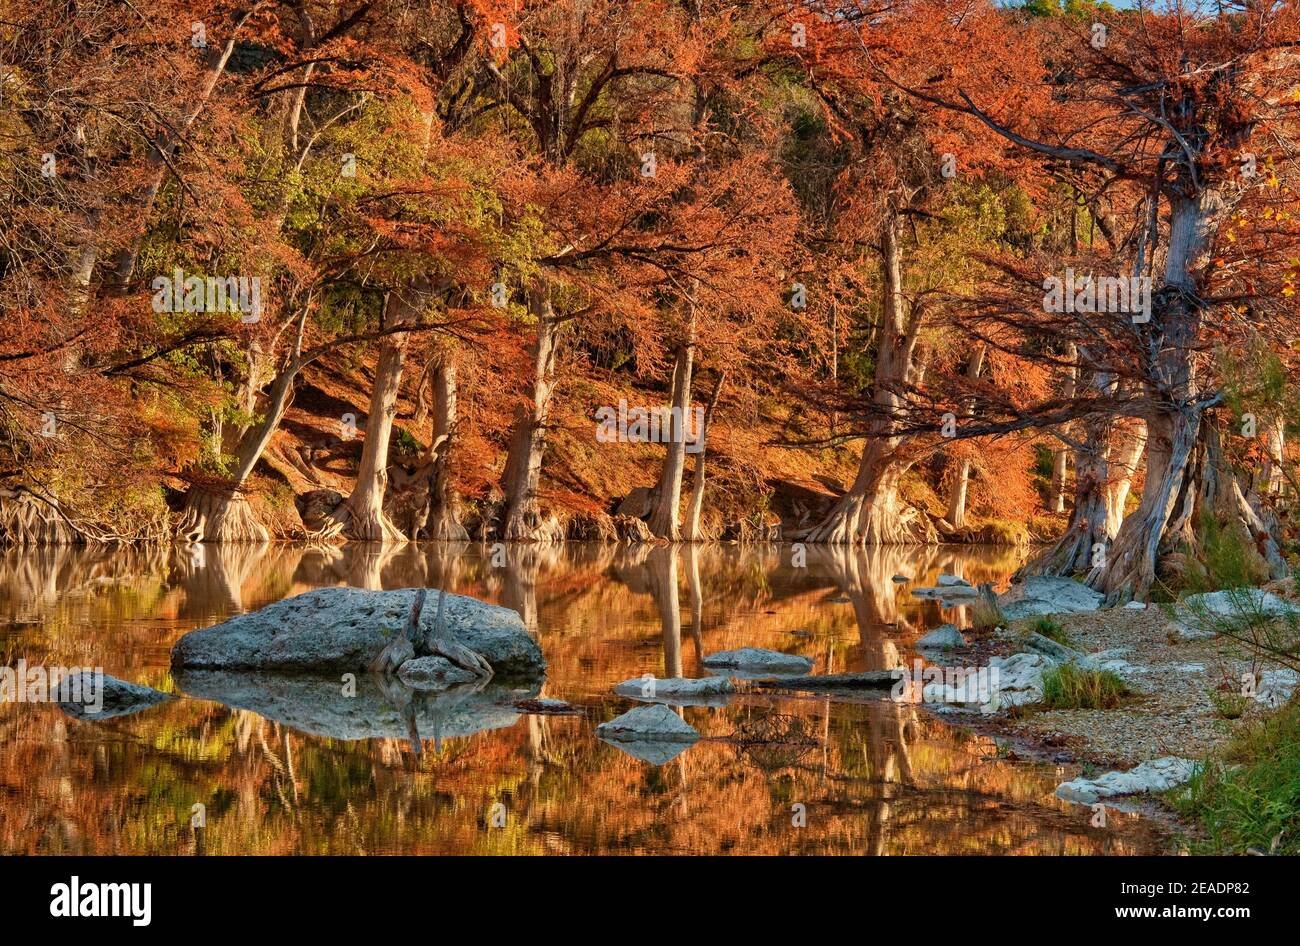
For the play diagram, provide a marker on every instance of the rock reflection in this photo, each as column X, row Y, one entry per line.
column 292, row 766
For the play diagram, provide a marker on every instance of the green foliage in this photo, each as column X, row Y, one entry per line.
column 1254, row 381
column 1251, row 621
column 405, row 442
column 1249, row 794
column 1229, row 703
column 1228, row 560
column 1069, row 686
column 1044, row 459
column 1051, row 629
column 1069, row 9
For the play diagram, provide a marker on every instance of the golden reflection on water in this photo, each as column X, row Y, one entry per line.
column 865, row 776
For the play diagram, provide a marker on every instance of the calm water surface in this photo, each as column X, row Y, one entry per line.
column 873, row 777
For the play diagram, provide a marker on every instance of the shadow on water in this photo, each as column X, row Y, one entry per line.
column 292, row 765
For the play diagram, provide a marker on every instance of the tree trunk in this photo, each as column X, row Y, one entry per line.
column 523, row 472
column 665, row 517
column 1060, row 458
column 1060, row 472
column 1175, row 419
column 1130, row 567
column 1124, row 463
column 879, row 520
column 692, row 531
column 443, row 521
column 223, row 514
column 869, row 512
column 1269, row 478
column 1086, row 535
column 362, row 515
column 957, row 497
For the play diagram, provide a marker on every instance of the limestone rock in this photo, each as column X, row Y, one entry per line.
column 1158, row 775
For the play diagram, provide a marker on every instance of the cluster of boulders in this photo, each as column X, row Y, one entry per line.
column 657, row 734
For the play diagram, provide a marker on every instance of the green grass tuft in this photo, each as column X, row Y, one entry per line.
column 1068, row 686
column 1051, row 629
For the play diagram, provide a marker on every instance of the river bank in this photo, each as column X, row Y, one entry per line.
column 1192, row 696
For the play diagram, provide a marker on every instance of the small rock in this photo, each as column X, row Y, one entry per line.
column 901, row 578
column 952, row 581
column 648, row 722
column 1020, row 677
column 1058, row 652
column 758, row 660
column 1275, row 686
column 1158, row 775
column 94, row 696
column 1136, row 606
column 943, row 637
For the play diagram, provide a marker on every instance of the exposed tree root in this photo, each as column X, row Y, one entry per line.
column 26, row 519
column 212, row 515
column 29, row 518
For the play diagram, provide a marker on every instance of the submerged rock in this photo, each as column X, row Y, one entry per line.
column 958, row 589
column 943, row 637
column 1042, row 594
column 1158, row 775
column 96, row 696
column 757, row 660
column 544, row 707
column 344, row 629
column 865, row 680
column 678, row 690
column 379, row 709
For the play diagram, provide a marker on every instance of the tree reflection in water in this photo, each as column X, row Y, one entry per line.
column 874, row 776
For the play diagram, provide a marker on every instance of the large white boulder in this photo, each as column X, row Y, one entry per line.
column 1196, row 615
column 344, row 629
column 1043, row 594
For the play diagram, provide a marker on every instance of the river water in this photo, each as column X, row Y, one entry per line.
column 773, row 774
